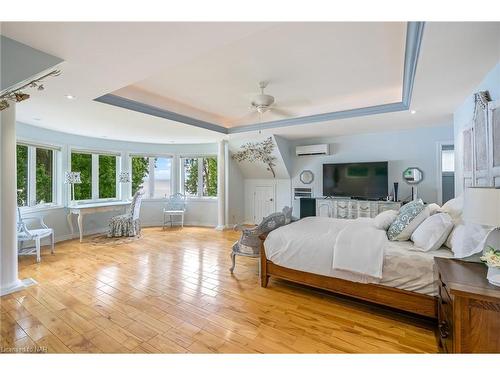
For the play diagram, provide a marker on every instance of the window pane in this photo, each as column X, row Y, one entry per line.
column 190, row 170
column 140, row 174
column 163, row 173
column 22, row 175
column 82, row 163
column 448, row 160
column 107, row 176
column 44, row 175
column 209, row 177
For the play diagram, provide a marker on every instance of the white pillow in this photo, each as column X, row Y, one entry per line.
column 433, row 208
column 454, row 208
column 412, row 225
column 384, row 219
column 468, row 239
column 433, row 232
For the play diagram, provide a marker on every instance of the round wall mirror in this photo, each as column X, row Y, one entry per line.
column 306, row 177
column 413, row 175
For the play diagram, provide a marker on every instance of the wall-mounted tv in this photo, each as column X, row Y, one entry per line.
column 356, row 180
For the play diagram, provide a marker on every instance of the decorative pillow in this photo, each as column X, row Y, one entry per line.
column 433, row 232
column 454, row 208
column 384, row 219
column 406, row 233
column 407, row 214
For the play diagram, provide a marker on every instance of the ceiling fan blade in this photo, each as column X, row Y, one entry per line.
column 294, row 103
column 250, row 117
column 283, row 112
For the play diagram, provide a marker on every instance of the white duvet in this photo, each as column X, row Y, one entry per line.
column 309, row 245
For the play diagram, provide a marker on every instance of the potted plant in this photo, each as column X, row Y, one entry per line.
column 492, row 259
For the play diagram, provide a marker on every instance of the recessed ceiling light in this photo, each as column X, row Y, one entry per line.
column 70, row 97
column 413, row 111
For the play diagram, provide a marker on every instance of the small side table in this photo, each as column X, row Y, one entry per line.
column 468, row 308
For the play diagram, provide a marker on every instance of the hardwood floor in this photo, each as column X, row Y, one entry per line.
column 171, row 292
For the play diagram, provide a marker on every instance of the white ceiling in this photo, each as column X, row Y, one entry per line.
column 310, row 67
column 211, row 70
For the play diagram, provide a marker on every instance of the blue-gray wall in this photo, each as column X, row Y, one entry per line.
column 402, row 149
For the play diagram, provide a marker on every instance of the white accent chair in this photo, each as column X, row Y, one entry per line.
column 24, row 234
column 176, row 206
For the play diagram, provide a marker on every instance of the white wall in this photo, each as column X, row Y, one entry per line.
column 282, row 195
column 202, row 212
column 463, row 117
column 402, row 149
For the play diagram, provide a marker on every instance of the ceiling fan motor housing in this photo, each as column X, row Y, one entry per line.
column 262, row 102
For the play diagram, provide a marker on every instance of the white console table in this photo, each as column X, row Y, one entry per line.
column 342, row 208
column 90, row 208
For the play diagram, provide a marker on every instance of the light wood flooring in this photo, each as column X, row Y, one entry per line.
column 170, row 291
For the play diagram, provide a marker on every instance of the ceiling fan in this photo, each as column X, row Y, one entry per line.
column 263, row 103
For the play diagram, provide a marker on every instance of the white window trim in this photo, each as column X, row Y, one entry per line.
column 199, row 196
column 95, row 173
column 150, row 194
column 31, row 205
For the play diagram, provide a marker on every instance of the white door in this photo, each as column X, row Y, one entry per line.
column 264, row 204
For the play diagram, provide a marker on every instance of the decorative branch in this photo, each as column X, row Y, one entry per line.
column 258, row 152
column 17, row 95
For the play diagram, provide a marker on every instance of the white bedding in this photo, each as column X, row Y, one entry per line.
column 308, row 245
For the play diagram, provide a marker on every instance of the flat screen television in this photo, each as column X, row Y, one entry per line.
column 356, row 180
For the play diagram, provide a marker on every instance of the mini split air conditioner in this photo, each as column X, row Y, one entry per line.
column 323, row 149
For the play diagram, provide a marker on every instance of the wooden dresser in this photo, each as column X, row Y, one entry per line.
column 468, row 308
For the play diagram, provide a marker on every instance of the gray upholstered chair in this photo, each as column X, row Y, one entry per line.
column 249, row 243
column 176, row 206
column 36, row 235
column 127, row 225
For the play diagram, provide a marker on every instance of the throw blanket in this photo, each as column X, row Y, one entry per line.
column 359, row 248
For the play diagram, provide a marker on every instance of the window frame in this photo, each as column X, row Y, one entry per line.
column 149, row 195
column 31, row 174
column 94, row 190
column 182, row 177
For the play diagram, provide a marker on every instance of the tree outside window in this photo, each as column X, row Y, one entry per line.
column 210, row 177
column 140, row 172
column 81, row 162
column 107, row 176
column 44, row 175
column 198, row 182
column 22, row 175
column 190, row 176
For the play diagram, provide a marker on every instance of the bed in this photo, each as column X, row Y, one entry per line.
column 302, row 252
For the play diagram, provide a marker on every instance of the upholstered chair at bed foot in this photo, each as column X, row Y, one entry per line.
column 127, row 225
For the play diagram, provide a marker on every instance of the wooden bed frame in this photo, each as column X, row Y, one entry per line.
column 420, row 304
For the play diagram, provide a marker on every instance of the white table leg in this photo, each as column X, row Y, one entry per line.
column 70, row 223
column 80, row 225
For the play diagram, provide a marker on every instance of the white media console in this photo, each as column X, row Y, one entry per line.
column 342, row 208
